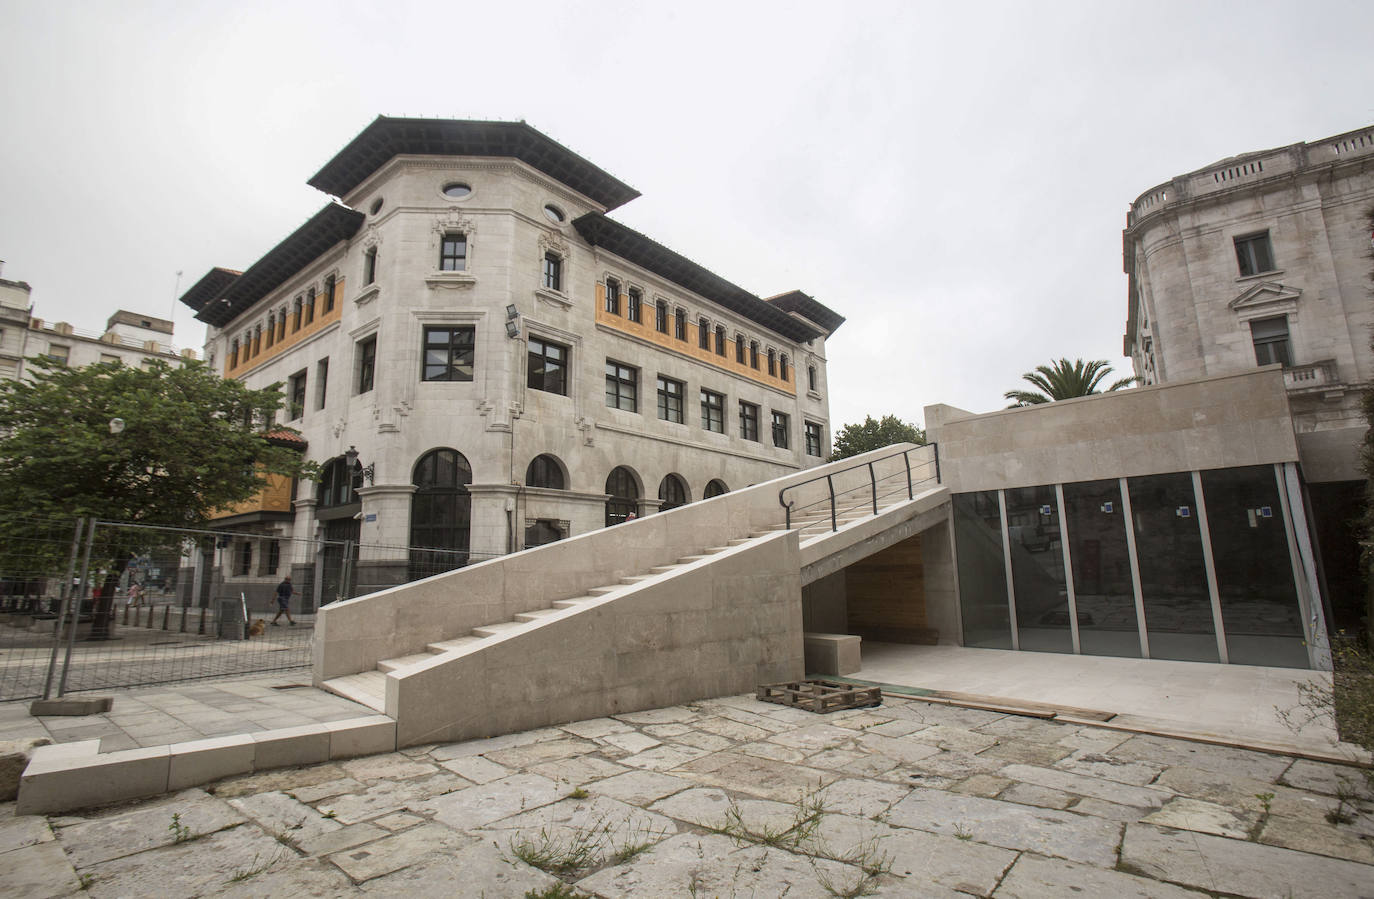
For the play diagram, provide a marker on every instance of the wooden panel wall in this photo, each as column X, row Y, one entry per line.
column 886, row 596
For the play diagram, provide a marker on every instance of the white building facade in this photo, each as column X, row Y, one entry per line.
column 1261, row 259
column 510, row 365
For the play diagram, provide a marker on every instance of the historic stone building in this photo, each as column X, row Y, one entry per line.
column 1264, row 259
column 482, row 360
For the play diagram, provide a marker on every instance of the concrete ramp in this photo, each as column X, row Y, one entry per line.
column 701, row 601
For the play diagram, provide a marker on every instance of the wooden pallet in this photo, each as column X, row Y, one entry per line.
column 820, row 696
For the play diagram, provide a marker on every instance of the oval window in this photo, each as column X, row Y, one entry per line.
column 457, row 190
column 554, row 213
column 376, row 206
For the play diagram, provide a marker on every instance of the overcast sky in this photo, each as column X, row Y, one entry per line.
column 953, row 181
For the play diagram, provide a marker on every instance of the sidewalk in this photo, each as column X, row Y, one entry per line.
column 734, row 797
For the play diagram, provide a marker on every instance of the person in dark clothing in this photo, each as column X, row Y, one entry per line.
column 284, row 592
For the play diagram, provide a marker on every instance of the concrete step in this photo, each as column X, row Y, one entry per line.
column 635, row 578
column 367, row 688
column 536, row 614
column 450, row 645
column 404, row 661
column 574, row 602
column 602, row 591
column 493, row 630
column 740, row 541
column 661, row 569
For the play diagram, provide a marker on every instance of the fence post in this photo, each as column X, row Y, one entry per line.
column 203, row 610
column 80, row 591
column 184, row 610
column 906, row 457
column 936, row 446
column 873, row 480
column 66, row 608
column 834, row 523
column 166, row 616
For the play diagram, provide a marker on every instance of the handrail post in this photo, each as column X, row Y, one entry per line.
column 937, row 462
column 906, row 457
column 834, row 523
column 873, row 480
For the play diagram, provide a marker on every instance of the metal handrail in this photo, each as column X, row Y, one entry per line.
column 872, row 478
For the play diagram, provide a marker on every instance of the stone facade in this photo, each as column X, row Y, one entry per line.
column 1258, row 258
column 463, row 239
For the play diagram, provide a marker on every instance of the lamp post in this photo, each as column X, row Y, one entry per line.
column 103, row 613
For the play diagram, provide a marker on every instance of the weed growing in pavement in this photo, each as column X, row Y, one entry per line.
column 87, row 881
column 559, row 890
column 180, row 832
column 243, row 874
column 575, row 851
column 579, row 793
column 1265, row 799
column 961, row 832
column 1346, row 795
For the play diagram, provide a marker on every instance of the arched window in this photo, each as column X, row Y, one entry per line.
column 440, row 513
column 281, row 324
column 337, row 484
column 296, row 309
column 234, row 353
column 715, row 488
column 544, row 471
column 271, row 328
column 623, row 497
column 673, row 493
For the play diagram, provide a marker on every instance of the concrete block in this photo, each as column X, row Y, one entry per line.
column 58, row 782
column 201, row 761
column 832, row 653
column 71, row 705
column 361, row 736
column 288, row 746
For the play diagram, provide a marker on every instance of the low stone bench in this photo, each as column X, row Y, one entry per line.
column 68, row 776
column 831, row 653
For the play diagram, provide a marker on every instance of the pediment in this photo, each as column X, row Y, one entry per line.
column 1266, row 295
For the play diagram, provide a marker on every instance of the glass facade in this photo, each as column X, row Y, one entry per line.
column 1096, row 525
column 1193, row 566
column 1037, row 570
column 982, row 570
column 1259, row 600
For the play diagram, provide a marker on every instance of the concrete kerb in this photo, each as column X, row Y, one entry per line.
column 69, row 776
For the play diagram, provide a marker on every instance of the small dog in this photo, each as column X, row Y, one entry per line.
column 257, row 628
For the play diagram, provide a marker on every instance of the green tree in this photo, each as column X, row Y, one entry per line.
column 1062, row 380
column 851, row 440
column 152, row 445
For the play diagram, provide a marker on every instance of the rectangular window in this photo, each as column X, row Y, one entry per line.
column 61, row 354
column 257, row 340
column 367, row 364
column 453, row 253
column 310, row 305
column 273, row 557
column 1271, row 340
column 296, row 396
column 739, row 348
column 703, row 334
column 553, row 272
column 548, row 367
column 622, row 387
column 669, row 399
column 748, row 421
column 296, row 316
column 281, row 325
column 271, row 331
column 811, row 377
column 754, row 355
column 612, row 296
column 110, row 359
column 680, row 324
column 329, row 293
column 782, row 366
column 813, row 439
column 772, row 362
column 1254, row 254
column 321, row 382
column 661, row 317
column 370, row 265
column 636, row 299
column 712, row 411
column 448, row 353
column 781, row 430
column 720, row 340
column 245, row 567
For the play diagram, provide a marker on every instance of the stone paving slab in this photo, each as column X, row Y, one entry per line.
column 733, row 797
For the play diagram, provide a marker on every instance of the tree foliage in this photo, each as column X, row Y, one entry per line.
column 851, row 440
column 1062, row 380
column 188, row 445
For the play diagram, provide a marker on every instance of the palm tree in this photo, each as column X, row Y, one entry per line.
column 1062, row 380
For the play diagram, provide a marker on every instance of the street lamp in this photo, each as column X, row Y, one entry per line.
column 351, row 461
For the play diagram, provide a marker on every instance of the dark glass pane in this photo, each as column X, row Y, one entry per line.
column 1259, row 600
column 1173, row 577
column 1037, row 570
column 982, row 570
column 1096, row 526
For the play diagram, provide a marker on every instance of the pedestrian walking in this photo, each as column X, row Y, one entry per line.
column 284, row 593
